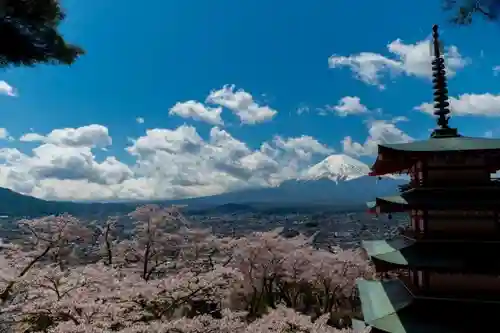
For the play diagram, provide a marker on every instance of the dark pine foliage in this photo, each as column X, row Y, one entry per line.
column 29, row 35
column 465, row 10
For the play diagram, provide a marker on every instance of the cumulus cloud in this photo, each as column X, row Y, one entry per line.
column 139, row 120
column 87, row 136
column 304, row 146
column 379, row 131
column 50, row 161
column 4, row 134
column 238, row 101
column 349, row 105
column 50, row 168
column 168, row 163
column 7, row 89
column 404, row 59
column 469, row 105
column 242, row 104
column 197, row 111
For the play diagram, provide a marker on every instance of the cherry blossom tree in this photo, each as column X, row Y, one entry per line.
column 164, row 241
column 292, row 271
column 172, row 277
column 106, row 298
column 52, row 238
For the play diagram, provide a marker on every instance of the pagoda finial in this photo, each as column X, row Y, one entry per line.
column 441, row 103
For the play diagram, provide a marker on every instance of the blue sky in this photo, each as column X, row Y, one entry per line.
column 286, row 55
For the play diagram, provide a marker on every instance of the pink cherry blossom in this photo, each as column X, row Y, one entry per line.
column 171, row 277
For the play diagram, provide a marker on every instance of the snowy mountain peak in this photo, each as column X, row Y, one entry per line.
column 338, row 167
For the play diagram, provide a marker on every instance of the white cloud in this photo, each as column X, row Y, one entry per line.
column 139, row 120
column 407, row 59
column 7, row 89
column 469, row 105
column 349, row 105
column 242, row 104
column 50, row 169
column 86, row 136
column 50, row 161
column 4, row 135
column 169, row 163
column 379, row 131
column 197, row 111
column 304, row 147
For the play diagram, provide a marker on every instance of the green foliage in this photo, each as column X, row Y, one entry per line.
column 465, row 10
column 29, row 34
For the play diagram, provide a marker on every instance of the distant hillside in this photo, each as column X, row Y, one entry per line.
column 15, row 204
column 340, row 194
column 229, row 208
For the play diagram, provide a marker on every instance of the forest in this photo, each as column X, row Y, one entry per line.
column 63, row 275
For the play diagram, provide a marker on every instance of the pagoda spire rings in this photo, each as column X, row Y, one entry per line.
column 440, row 86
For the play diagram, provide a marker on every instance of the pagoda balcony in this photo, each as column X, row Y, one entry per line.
column 440, row 257
column 450, row 237
column 438, row 199
column 489, row 183
column 460, row 295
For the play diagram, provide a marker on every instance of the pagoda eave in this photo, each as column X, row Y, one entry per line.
column 392, row 204
column 453, row 143
column 437, row 198
column 383, row 167
column 398, row 157
column 389, row 306
column 402, row 252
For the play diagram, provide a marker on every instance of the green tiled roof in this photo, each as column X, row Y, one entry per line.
column 390, row 307
column 480, row 257
column 388, row 250
column 446, row 144
column 395, row 199
column 381, row 301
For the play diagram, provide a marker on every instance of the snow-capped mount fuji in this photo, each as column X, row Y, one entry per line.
column 337, row 168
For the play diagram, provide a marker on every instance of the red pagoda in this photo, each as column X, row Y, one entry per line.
column 447, row 261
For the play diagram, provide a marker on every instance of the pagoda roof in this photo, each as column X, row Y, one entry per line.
column 447, row 144
column 388, row 204
column 386, row 164
column 439, row 256
column 478, row 197
column 390, row 306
